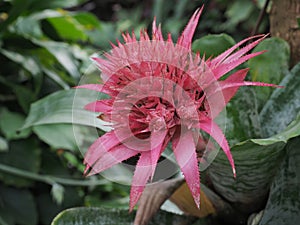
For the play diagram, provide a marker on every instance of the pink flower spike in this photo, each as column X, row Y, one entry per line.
column 185, row 152
column 111, row 158
column 143, row 171
column 215, row 132
column 185, row 40
column 219, row 59
column 161, row 92
column 103, row 106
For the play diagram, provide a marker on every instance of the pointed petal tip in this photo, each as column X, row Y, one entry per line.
column 234, row 172
column 135, row 194
column 94, row 58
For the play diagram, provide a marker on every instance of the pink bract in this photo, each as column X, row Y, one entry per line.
column 161, row 92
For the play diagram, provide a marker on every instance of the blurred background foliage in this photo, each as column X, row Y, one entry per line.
column 45, row 49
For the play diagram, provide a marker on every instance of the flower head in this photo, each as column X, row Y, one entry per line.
column 161, row 92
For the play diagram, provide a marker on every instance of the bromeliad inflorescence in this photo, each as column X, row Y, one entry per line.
column 161, row 92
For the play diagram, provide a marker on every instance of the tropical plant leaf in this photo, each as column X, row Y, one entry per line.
column 62, row 53
column 99, row 216
column 269, row 67
column 257, row 162
column 283, row 106
column 57, row 135
column 241, row 119
column 283, row 205
column 212, row 45
column 65, row 106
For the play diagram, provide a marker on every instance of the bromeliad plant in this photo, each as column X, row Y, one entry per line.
column 161, row 92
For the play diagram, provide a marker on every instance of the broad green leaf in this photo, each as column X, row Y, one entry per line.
column 101, row 216
column 28, row 27
column 269, row 67
column 26, row 62
column 283, row 205
column 242, row 117
column 257, row 162
column 10, row 123
column 87, row 20
column 213, row 44
column 23, row 154
column 283, row 105
column 65, row 106
column 57, row 135
column 61, row 51
column 68, row 28
column 17, row 206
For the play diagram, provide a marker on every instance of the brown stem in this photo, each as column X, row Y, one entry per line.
column 260, row 18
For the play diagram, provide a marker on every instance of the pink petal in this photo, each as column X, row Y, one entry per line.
column 143, row 171
column 243, row 51
column 157, row 142
column 157, row 34
column 215, row 132
column 185, row 152
column 185, row 39
column 219, row 59
column 224, row 68
column 104, row 106
column 100, row 147
column 97, row 87
column 218, row 95
column 111, row 158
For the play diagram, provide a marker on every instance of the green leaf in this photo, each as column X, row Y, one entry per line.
column 26, row 62
column 257, row 162
column 10, row 123
column 283, row 105
column 23, row 154
column 99, row 216
column 283, row 205
column 269, row 67
column 234, row 13
column 213, row 44
column 57, row 135
column 242, row 117
column 63, row 54
column 18, row 7
column 17, row 206
column 68, row 27
column 65, row 106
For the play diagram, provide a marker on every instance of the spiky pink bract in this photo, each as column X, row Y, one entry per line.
column 161, row 92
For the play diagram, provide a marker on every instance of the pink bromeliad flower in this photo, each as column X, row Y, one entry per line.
column 160, row 93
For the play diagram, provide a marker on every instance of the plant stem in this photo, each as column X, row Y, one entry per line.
column 260, row 17
column 49, row 179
